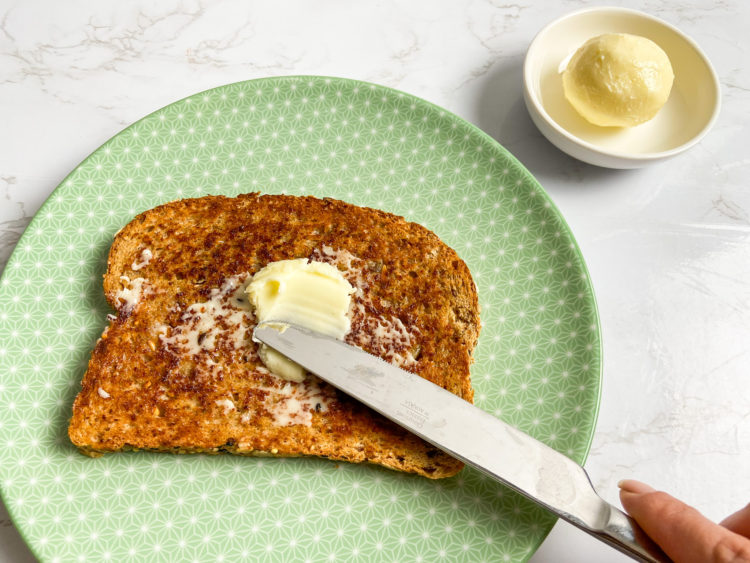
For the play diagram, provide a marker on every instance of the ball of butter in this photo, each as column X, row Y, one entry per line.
column 618, row 80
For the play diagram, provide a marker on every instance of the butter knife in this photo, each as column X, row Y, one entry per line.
column 465, row 432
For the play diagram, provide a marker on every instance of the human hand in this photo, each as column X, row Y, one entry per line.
column 684, row 534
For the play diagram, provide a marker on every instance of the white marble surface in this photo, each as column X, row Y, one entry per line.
column 668, row 247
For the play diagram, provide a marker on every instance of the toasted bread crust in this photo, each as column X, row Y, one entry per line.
column 143, row 391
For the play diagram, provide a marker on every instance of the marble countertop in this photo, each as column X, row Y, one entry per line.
column 667, row 246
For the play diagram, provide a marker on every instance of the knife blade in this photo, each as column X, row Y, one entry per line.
column 465, row 432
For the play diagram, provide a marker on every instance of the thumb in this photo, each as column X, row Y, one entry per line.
column 739, row 522
column 680, row 530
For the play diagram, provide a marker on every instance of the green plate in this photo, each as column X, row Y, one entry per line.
column 537, row 364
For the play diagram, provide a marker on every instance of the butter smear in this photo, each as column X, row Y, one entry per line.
column 313, row 295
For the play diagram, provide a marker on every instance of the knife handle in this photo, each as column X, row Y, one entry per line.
column 623, row 533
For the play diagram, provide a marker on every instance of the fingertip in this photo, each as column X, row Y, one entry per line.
column 635, row 502
column 680, row 530
column 635, row 487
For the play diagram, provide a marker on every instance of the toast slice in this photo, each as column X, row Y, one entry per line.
column 176, row 369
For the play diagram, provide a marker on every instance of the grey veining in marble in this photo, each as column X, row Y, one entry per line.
column 668, row 247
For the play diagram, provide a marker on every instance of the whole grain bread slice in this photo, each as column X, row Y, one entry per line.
column 176, row 369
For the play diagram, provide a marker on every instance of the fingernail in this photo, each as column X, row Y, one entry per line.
column 633, row 486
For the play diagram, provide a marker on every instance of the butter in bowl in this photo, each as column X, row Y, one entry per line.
column 619, row 88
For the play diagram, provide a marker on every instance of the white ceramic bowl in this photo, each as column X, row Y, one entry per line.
column 690, row 111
